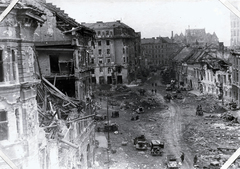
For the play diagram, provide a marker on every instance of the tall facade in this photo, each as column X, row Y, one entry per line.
column 235, row 26
column 19, row 127
column 63, row 55
column 160, row 51
column 115, row 56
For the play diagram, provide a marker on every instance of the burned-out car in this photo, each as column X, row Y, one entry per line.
column 172, row 162
column 141, row 143
column 156, row 147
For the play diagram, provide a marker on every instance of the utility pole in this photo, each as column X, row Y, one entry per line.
column 109, row 144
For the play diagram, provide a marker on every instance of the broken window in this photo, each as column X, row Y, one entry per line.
column 119, row 69
column 99, row 43
column 1, row 67
column 13, row 64
column 3, row 125
column 94, row 80
column 54, row 64
column 100, row 61
column 108, row 51
column 109, row 70
column 108, row 42
column 101, row 80
column 17, row 120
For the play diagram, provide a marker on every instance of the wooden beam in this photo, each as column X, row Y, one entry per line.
column 81, row 118
column 8, row 9
column 69, row 143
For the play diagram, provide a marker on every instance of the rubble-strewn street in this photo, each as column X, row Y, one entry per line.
column 211, row 137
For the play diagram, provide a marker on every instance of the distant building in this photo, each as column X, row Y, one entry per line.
column 159, row 51
column 116, row 55
column 196, row 37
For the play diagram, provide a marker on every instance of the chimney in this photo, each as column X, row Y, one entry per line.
column 118, row 21
column 99, row 21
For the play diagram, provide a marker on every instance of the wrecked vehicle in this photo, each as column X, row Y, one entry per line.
column 156, row 147
column 140, row 143
column 169, row 87
column 108, row 128
column 199, row 110
column 115, row 114
column 140, row 110
column 99, row 117
column 214, row 165
column 167, row 97
column 171, row 162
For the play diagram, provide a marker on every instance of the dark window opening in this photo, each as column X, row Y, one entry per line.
column 99, row 43
column 54, row 64
column 101, row 80
column 3, row 125
column 13, row 65
column 119, row 69
column 66, row 86
column 108, row 51
column 1, row 67
column 92, row 60
column 99, row 51
column 94, row 80
column 109, row 80
column 17, row 120
column 108, row 42
column 119, row 79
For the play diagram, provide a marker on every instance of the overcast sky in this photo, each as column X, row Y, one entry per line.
column 154, row 18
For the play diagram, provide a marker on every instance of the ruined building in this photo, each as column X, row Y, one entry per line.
column 19, row 127
column 116, row 54
column 46, row 108
column 203, row 69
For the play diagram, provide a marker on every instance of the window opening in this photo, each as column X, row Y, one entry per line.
column 54, row 64
column 3, row 125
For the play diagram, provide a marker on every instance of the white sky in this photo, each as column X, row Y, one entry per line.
column 154, row 18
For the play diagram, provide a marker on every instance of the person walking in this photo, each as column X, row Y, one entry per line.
column 195, row 159
column 182, row 157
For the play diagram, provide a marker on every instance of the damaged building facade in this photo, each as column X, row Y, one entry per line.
column 19, row 127
column 205, row 70
column 65, row 94
column 116, row 55
column 46, row 110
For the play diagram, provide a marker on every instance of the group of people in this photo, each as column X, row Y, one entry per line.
column 154, row 90
column 195, row 159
